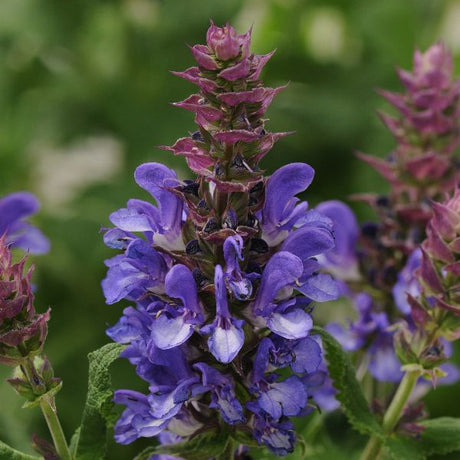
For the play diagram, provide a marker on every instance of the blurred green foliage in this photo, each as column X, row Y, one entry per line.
column 84, row 98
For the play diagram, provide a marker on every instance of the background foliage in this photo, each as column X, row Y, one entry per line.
column 84, row 98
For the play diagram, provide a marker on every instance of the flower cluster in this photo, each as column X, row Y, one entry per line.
column 422, row 166
column 22, row 329
column 436, row 308
column 381, row 258
column 223, row 271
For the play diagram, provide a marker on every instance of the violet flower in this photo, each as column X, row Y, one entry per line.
column 222, row 271
column 14, row 208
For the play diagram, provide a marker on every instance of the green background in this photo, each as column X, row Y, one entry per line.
column 85, row 94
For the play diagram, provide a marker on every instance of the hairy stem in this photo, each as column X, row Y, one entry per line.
column 393, row 414
column 48, row 408
column 54, row 425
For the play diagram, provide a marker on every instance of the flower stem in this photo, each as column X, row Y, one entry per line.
column 48, row 408
column 229, row 451
column 392, row 415
column 54, row 425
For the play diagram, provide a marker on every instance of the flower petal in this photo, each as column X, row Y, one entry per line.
column 295, row 324
column 170, row 332
column 225, row 344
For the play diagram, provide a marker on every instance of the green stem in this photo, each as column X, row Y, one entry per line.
column 49, row 411
column 392, row 415
column 48, row 408
column 229, row 451
column 314, row 426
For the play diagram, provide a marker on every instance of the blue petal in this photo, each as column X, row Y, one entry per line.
column 321, row 288
column 130, row 220
column 294, row 324
column 169, row 403
column 221, row 293
column 170, row 332
column 346, row 231
column 279, row 205
column 16, row 206
column 384, row 364
column 179, row 283
column 281, row 270
column 278, row 436
column 308, row 356
column 29, row 239
column 230, row 407
column 117, row 239
column 308, row 241
column 121, row 281
column 131, row 326
column 225, row 344
column 284, row 398
column 155, row 178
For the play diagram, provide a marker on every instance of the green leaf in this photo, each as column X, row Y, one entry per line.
column 245, row 438
column 8, row 453
column 441, row 435
column 403, row 447
column 74, row 442
column 343, row 375
column 92, row 439
column 205, row 445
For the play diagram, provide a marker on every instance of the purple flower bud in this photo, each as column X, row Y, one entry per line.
column 224, row 41
column 22, row 330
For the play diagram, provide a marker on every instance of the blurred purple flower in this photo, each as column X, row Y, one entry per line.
column 14, row 208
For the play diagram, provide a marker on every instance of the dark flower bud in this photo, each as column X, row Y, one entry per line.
column 369, row 230
column 238, row 162
column 196, row 136
column 211, row 226
column 258, row 245
column 382, row 201
column 252, row 221
column 202, row 205
column 193, row 247
column 190, row 187
column 257, row 188
column 200, row 278
column 230, row 220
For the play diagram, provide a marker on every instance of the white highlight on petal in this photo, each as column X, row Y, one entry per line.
column 225, row 344
column 293, row 325
column 170, row 332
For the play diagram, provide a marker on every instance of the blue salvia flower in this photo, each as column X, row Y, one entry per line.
column 222, row 270
column 14, row 208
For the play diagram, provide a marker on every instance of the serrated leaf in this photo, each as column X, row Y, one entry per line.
column 343, row 375
column 399, row 447
column 441, row 435
column 92, row 439
column 8, row 453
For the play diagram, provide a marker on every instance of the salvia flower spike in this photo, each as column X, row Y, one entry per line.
column 222, row 270
column 22, row 329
